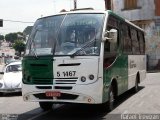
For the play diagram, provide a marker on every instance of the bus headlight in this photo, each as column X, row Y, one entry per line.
column 83, row 79
column 91, row 77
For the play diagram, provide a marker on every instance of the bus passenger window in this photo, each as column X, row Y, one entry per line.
column 141, row 42
column 135, row 42
column 126, row 39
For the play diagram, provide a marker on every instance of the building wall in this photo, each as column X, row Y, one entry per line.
column 157, row 16
column 147, row 16
column 144, row 11
column 142, row 15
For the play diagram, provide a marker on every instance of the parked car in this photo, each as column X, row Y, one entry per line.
column 10, row 61
column 11, row 78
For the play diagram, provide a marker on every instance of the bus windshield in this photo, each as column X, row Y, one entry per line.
column 61, row 35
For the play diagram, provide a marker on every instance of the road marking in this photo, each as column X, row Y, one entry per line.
column 140, row 104
column 43, row 113
column 56, row 106
column 125, row 112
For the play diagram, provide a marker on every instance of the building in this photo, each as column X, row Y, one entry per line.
column 145, row 14
column 157, row 16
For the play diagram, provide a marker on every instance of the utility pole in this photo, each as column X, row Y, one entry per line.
column 75, row 4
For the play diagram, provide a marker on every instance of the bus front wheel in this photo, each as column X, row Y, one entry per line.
column 46, row 105
column 111, row 100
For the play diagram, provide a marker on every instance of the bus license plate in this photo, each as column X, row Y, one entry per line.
column 53, row 94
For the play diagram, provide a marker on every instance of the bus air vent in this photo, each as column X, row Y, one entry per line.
column 42, row 81
column 66, row 96
column 63, row 87
column 42, row 96
column 66, row 81
column 44, row 87
column 39, row 65
column 70, row 64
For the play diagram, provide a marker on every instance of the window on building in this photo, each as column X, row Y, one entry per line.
column 130, row 4
column 157, row 8
column 108, row 4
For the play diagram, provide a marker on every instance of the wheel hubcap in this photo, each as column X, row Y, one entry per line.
column 111, row 100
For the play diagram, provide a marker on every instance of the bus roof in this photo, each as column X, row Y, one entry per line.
column 109, row 12
column 123, row 19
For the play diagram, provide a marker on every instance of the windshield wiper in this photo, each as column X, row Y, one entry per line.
column 35, row 54
column 34, row 50
column 83, row 47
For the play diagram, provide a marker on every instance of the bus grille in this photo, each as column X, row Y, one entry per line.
column 42, row 81
column 63, row 81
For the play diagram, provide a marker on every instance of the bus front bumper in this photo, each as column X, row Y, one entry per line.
column 89, row 94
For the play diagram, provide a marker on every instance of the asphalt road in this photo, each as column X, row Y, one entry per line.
column 146, row 101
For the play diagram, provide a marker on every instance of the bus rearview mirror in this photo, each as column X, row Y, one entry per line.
column 111, row 36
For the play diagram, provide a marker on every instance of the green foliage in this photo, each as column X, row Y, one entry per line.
column 19, row 46
column 12, row 37
column 1, row 37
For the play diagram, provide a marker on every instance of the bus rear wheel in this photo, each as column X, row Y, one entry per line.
column 46, row 105
column 136, row 88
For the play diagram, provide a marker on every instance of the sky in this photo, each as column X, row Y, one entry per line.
column 30, row 10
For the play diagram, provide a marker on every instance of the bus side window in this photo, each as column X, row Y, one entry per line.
column 111, row 47
column 141, row 42
column 127, row 45
column 110, row 52
column 135, row 42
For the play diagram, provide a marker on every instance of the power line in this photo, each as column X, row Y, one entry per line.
column 17, row 21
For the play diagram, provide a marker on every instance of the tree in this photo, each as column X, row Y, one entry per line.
column 19, row 46
column 1, row 37
column 11, row 37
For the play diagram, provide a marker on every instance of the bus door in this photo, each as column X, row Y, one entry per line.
column 114, row 65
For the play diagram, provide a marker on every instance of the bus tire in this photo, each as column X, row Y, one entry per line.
column 46, row 105
column 111, row 99
column 136, row 88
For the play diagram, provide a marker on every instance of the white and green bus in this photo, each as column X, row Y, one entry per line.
column 84, row 56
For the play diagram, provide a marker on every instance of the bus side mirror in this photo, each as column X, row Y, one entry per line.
column 111, row 36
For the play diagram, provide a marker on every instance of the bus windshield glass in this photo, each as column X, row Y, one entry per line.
column 80, row 32
column 43, row 36
column 74, row 33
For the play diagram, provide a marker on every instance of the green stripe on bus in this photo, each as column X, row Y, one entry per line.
column 37, row 70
